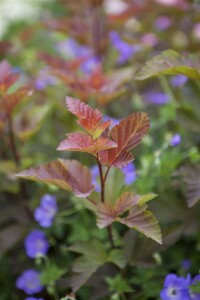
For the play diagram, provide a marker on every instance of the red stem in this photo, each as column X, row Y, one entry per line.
column 103, row 180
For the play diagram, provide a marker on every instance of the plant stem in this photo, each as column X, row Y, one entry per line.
column 166, row 87
column 12, row 141
column 106, row 174
column 110, row 235
column 101, row 179
column 91, row 201
column 17, row 160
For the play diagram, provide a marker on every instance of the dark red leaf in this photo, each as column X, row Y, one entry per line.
column 67, row 174
column 138, row 217
column 85, row 143
column 127, row 134
column 88, row 117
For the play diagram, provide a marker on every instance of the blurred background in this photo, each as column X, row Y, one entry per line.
column 120, row 56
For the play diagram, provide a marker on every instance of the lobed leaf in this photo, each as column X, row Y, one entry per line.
column 9, row 102
column 170, row 62
column 138, row 216
column 191, row 177
column 69, row 175
column 144, row 221
column 89, row 118
column 93, row 256
column 127, row 134
column 85, row 143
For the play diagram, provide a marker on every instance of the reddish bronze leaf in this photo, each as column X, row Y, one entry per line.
column 144, row 221
column 108, row 213
column 127, row 134
column 7, row 77
column 67, row 174
column 89, row 118
column 120, row 161
column 138, row 217
column 9, row 102
column 85, row 143
column 60, row 64
column 83, row 111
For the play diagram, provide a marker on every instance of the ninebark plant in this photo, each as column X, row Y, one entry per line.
column 110, row 146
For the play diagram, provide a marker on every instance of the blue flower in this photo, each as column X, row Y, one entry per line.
column 69, row 48
column 178, row 80
column 36, row 244
column 95, row 173
column 126, row 51
column 157, row 98
column 29, row 282
column 129, row 173
column 32, row 298
column 162, row 23
column 90, row 64
column 45, row 213
column 175, row 288
column 175, row 140
column 44, row 79
column 186, row 264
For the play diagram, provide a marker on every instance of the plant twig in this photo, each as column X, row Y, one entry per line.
column 110, row 235
column 12, row 141
column 106, row 174
column 101, row 178
column 17, row 160
column 91, row 201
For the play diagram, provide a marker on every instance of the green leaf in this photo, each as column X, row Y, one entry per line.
column 118, row 284
column 170, row 62
column 51, row 273
column 117, row 257
column 195, row 288
column 145, row 198
column 93, row 256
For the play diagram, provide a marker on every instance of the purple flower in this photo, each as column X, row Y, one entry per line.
column 175, row 140
column 68, row 48
column 95, row 173
column 71, row 49
column 45, row 213
column 162, row 23
column 36, row 244
column 129, row 173
column 126, row 51
column 29, row 282
column 178, row 80
column 175, row 288
column 90, row 64
column 44, row 79
column 157, row 98
column 32, row 298
column 196, row 30
column 186, row 264
column 149, row 39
